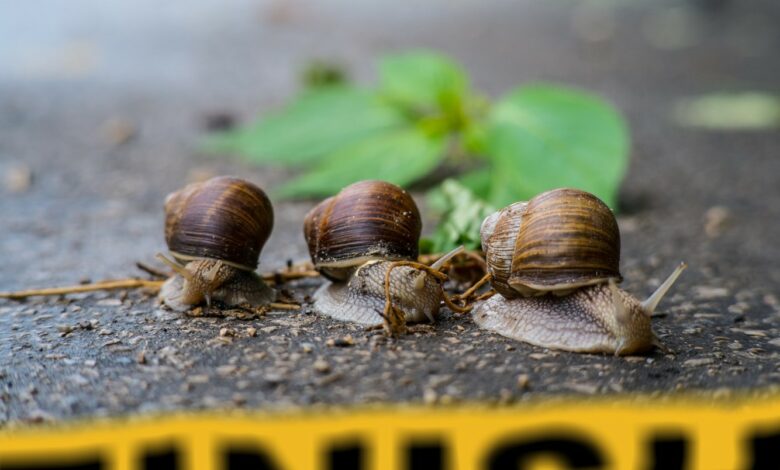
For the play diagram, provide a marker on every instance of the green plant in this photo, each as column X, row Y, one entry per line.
column 422, row 115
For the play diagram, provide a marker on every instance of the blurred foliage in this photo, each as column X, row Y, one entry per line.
column 424, row 114
column 462, row 213
column 319, row 73
column 729, row 111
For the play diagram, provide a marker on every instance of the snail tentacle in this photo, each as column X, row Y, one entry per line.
column 649, row 305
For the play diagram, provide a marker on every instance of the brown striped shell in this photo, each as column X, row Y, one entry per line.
column 567, row 239
column 368, row 220
column 223, row 218
column 498, row 233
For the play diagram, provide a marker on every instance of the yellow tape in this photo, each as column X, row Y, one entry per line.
column 623, row 434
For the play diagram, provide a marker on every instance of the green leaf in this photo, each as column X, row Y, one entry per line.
column 478, row 182
column 400, row 157
column 544, row 137
column 746, row 111
column 318, row 123
column 422, row 79
column 462, row 216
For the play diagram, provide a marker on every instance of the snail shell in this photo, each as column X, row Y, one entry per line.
column 499, row 232
column 558, row 241
column 568, row 238
column 362, row 299
column 557, row 277
column 223, row 218
column 368, row 220
column 216, row 230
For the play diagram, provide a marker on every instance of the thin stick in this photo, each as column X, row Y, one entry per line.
column 103, row 285
column 455, row 308
column 394, row 321
column 485, row 296
column 280, row 306
column 128, row 284
column 430, row 270
column 289, row 275
column 301, row 271
column 152, row 271
column 471, row 290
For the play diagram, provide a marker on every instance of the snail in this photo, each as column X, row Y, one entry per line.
column 365, row 241
column 215, row 231
column 554, row 261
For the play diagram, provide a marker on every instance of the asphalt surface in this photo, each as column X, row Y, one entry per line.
column 104, row 107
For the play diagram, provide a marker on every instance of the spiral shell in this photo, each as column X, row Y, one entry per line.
column 499, row 232
column 368, row 220
column 224, row 218
column 567, row 239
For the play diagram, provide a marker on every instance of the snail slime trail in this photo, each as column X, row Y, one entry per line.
column 215, row 231
column 365, row 241
column 555, row 263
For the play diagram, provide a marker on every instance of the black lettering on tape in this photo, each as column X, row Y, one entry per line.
column 247, row 457
column 167, row 458
column 572, row 449
column 668, row 452
column 53, row 463
column 764, row 447
column 426, row 455
column 345, row 456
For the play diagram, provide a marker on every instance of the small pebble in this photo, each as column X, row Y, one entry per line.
column 523, row 382
column 722, row 393
column 703, row 361
column 716, row 220
column 709, row 292
column 321, row 366
column 588, row 389
column 226, row 370
column 227, row 332
column 505, row 396
column 118, row 131
column 18, row 179
column 344, row 342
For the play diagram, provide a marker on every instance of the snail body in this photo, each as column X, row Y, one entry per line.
column 557, row 277
column 215, row 231
column 362, row 298
column 365, row 241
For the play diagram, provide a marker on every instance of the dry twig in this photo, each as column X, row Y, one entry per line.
column 95, row 286
column 471, row 290
column 154, row 272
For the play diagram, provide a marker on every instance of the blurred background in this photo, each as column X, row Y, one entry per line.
column 103, row 106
